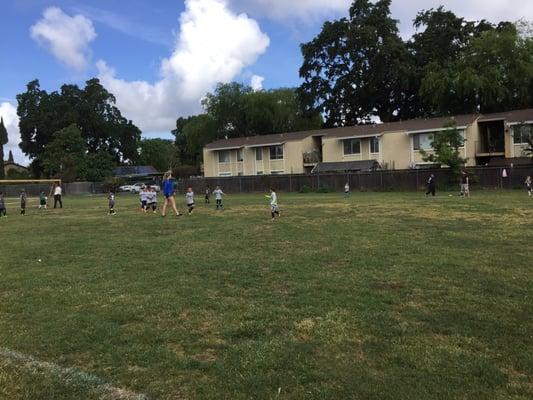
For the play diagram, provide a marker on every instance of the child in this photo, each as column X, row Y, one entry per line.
column 143, row 197
column 22, row 202
column 346, row 190
column 274, row 209
column 152, row 199
column 431, row 185
column 3, row 211
column 43, row 200
column 207, row 194
column 465, row 184
column 529, row 186
column 111, row 198
column 189, row 198
column 218, row 197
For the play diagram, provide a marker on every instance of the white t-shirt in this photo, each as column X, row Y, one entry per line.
column 273, row 199
column 346, row 188
column 58, row 191
column 218, row 194
column 189, row 196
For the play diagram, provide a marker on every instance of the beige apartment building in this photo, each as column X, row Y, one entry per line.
column 395, row 145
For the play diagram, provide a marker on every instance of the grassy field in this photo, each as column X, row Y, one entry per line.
column 379, row 296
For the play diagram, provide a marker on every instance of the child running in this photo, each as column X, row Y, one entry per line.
column 143, row 196
column 189, row 198
column 22, row 202
column 274, row 209
column 111, row 198
column 3, row 211
column 43, row 200
column 347, row 190
column 218, row 197
column 529, row 186
column 152, row 199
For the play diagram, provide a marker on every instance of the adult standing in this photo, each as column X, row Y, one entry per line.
column 58, row 193
column 168, row 192
column 431, row 184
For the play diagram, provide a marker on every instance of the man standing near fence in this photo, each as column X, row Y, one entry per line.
column 58, row 193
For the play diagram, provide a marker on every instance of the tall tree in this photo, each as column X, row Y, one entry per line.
column 159, row 153
column 357, row 67
column 4, row 138
column 65, row 154
column 10, row 158
column 91, row 109
column 493, row 73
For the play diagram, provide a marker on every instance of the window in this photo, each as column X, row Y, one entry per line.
column 224, row 174
column 259, row 154
column 276, row 172
column 223, row 156
column 422, row 141
column 352, row 146
column 276, row 152
column 374, row 145
column 522, row 133
column 240, row 157
column 259, row 172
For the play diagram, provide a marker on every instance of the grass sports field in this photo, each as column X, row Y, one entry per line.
column 380, row 296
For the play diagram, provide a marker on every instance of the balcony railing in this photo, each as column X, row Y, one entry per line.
column 490, row 149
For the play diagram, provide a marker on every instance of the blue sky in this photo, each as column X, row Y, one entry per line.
column 159, row 57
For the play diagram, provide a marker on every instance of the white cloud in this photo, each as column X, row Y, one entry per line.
column 472, row 10
column 213, row 45
column 257, row 82
column 66, row 37
column 11, row 121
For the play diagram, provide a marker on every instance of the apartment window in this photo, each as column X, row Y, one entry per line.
column 374, row 145
column 276, row 152
column 422, row 141
column 240, row 156
column 352, row 146
column 224, row 174
column 259, row 154
column 522, row 134
column 259, row 172
column 276, row 172
column 223, row 156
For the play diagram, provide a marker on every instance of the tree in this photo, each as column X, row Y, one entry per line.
column 92, row 109
column 159, row 153
column 494, row 72
column 198, row 132
column 65, row 154
column 10, row 158
column 4, row 138
column 446, row 145
column 96, row 167
column 357, row 67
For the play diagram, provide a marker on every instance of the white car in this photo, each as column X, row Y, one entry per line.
column 136, row 188
column 125, row 188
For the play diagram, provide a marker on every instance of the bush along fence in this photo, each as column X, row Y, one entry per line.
column 394, row 180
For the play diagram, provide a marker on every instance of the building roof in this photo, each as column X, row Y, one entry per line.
column 345, row 166
column 262, row 140
column 8, row 163
column 509, row 116
column 136, row 171
column 412, row 125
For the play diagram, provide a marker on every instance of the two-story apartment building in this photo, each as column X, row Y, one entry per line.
column 395, row 145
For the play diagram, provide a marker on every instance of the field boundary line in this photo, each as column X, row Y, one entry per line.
column 69, row 375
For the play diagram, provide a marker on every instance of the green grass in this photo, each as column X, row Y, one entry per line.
column 381, row 296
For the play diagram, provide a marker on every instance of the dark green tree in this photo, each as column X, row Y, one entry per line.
column 446, row 149
column 4, row 138
column 10, row 158
column 494, row 72
column 92, row 109
column 159, row 153
column 198, row 132
column 64, row 156
column 357, row 67
column 97, row 167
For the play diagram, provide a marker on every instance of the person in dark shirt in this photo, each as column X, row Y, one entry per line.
column 168, row 192
column 3, row 211
column 431, row 183
column 23, row 202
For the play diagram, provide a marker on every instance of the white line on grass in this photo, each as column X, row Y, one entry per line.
column 70, row 376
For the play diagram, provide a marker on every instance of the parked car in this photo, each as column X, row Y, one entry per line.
column 136, row 187
column 125, row 188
